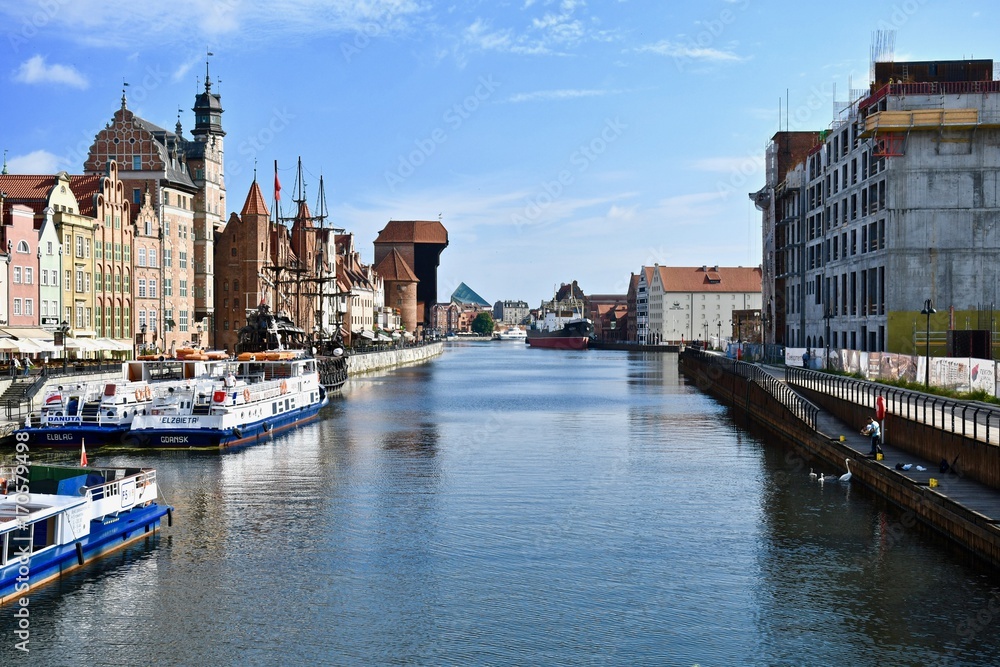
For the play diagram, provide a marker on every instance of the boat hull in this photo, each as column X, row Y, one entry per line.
column 210, row 438
column 70, row 436
column 107, row 535
column 559, row 342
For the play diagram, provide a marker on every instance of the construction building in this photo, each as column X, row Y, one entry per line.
column 892, row 212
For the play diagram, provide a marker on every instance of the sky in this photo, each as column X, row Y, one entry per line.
column 556, row 140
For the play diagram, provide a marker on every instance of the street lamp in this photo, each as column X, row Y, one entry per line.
column 928, row 311
column 142, row 339
column 64, row 330
column 826, row 316
column 720, row 333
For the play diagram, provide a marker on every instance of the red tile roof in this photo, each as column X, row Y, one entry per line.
column 413, row 231
column 394, row 267
column 25, row 187
column 85, row 187
column 710, row 279
column 255, row 204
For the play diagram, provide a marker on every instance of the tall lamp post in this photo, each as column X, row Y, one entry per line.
column 720, row 333
column 928, row 311
column 64, row 330
column 826, row 316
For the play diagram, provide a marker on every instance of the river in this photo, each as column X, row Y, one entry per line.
column 504, row 505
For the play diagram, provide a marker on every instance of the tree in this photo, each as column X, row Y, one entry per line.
column 483, row 324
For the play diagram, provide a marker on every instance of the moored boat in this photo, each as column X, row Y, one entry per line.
column 258, row 397
column 99, row 412
column 274, row 333
column 54, row 519
column 513, row 333
column 561, row 333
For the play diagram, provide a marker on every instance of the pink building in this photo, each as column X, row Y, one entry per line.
column 20, row 239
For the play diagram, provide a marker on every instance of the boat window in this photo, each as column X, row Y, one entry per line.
column 16, row 539
column 45, row 534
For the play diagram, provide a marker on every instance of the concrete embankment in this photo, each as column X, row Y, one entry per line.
column 374, row 361
column 958, row 506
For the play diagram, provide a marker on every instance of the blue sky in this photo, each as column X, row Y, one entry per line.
column 556, row 139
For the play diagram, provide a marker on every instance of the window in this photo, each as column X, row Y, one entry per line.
column 79, row 280
column 142, row 256
column 79, row 317
column 86, row 248
column 99, row 250
column 148, row 227
column 183, row 320
column 29, row 277
column 183, row 288
column 142, row 318
column 118, row 252
column 136, row 163
column 167, row 258
column 152, row 288
column 118, row 282
column 29, row 307
column 45, row 277
column 142, row 290
column 166, row 199
column 17, row 274
column 79, row 246
column 68, row 282
column 22, row 246
column 17, row 306
column 168, row 287
column 45, row 308
column 86, row 282
column 152, row 257
column 136, row 196
column 88, row 317
column 48, row 248
column 182, row 258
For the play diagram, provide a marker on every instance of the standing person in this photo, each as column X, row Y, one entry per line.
column 872, row 429
column 27, row 366
column 805, row 359
column 15, row 367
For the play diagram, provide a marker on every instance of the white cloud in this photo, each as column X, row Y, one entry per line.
column 35, row 162
column 34, row 70
column 689, row 52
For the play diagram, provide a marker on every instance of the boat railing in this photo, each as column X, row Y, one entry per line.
column 115, row 495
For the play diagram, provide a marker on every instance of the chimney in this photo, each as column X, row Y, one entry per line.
column 704, row 267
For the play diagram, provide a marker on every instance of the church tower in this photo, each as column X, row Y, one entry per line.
column 205, row 158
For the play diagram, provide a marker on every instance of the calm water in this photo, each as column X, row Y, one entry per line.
column 503, row 505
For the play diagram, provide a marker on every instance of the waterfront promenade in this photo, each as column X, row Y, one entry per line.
column 825, row 430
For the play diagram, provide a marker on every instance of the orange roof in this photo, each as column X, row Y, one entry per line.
column 710, row 279
column 413, row 231
column 255, row 204
column 23, row 187
column 85, row 187
column 394, row 267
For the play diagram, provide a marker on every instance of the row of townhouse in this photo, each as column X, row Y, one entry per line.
column 137, row 251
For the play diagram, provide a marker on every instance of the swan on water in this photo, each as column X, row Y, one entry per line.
column 846, row 477
column 820, row 478
column 812, row 475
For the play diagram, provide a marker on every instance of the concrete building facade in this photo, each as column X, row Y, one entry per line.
column 895, row 206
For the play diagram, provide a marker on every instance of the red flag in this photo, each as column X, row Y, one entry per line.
column 83, row 453
column 277, row 183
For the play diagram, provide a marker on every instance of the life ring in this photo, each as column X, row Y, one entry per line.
column 138, row 394
column 284, row 387
column 246, row 395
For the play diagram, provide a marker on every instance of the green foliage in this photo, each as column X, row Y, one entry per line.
column 483, row 324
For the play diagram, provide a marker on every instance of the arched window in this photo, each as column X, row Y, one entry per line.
column 22, row 246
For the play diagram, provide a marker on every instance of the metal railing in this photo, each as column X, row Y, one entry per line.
column 977, row 421
column 797, row 405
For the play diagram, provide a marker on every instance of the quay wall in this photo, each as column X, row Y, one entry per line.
column 373, row 361
column 969, row 529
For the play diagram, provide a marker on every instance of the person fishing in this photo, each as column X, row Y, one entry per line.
column 872, row 429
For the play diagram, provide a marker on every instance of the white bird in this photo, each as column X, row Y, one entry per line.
column 921, row 468
column 907, row 466
column 812, row 475
column 846, row 477
column 820, row 478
